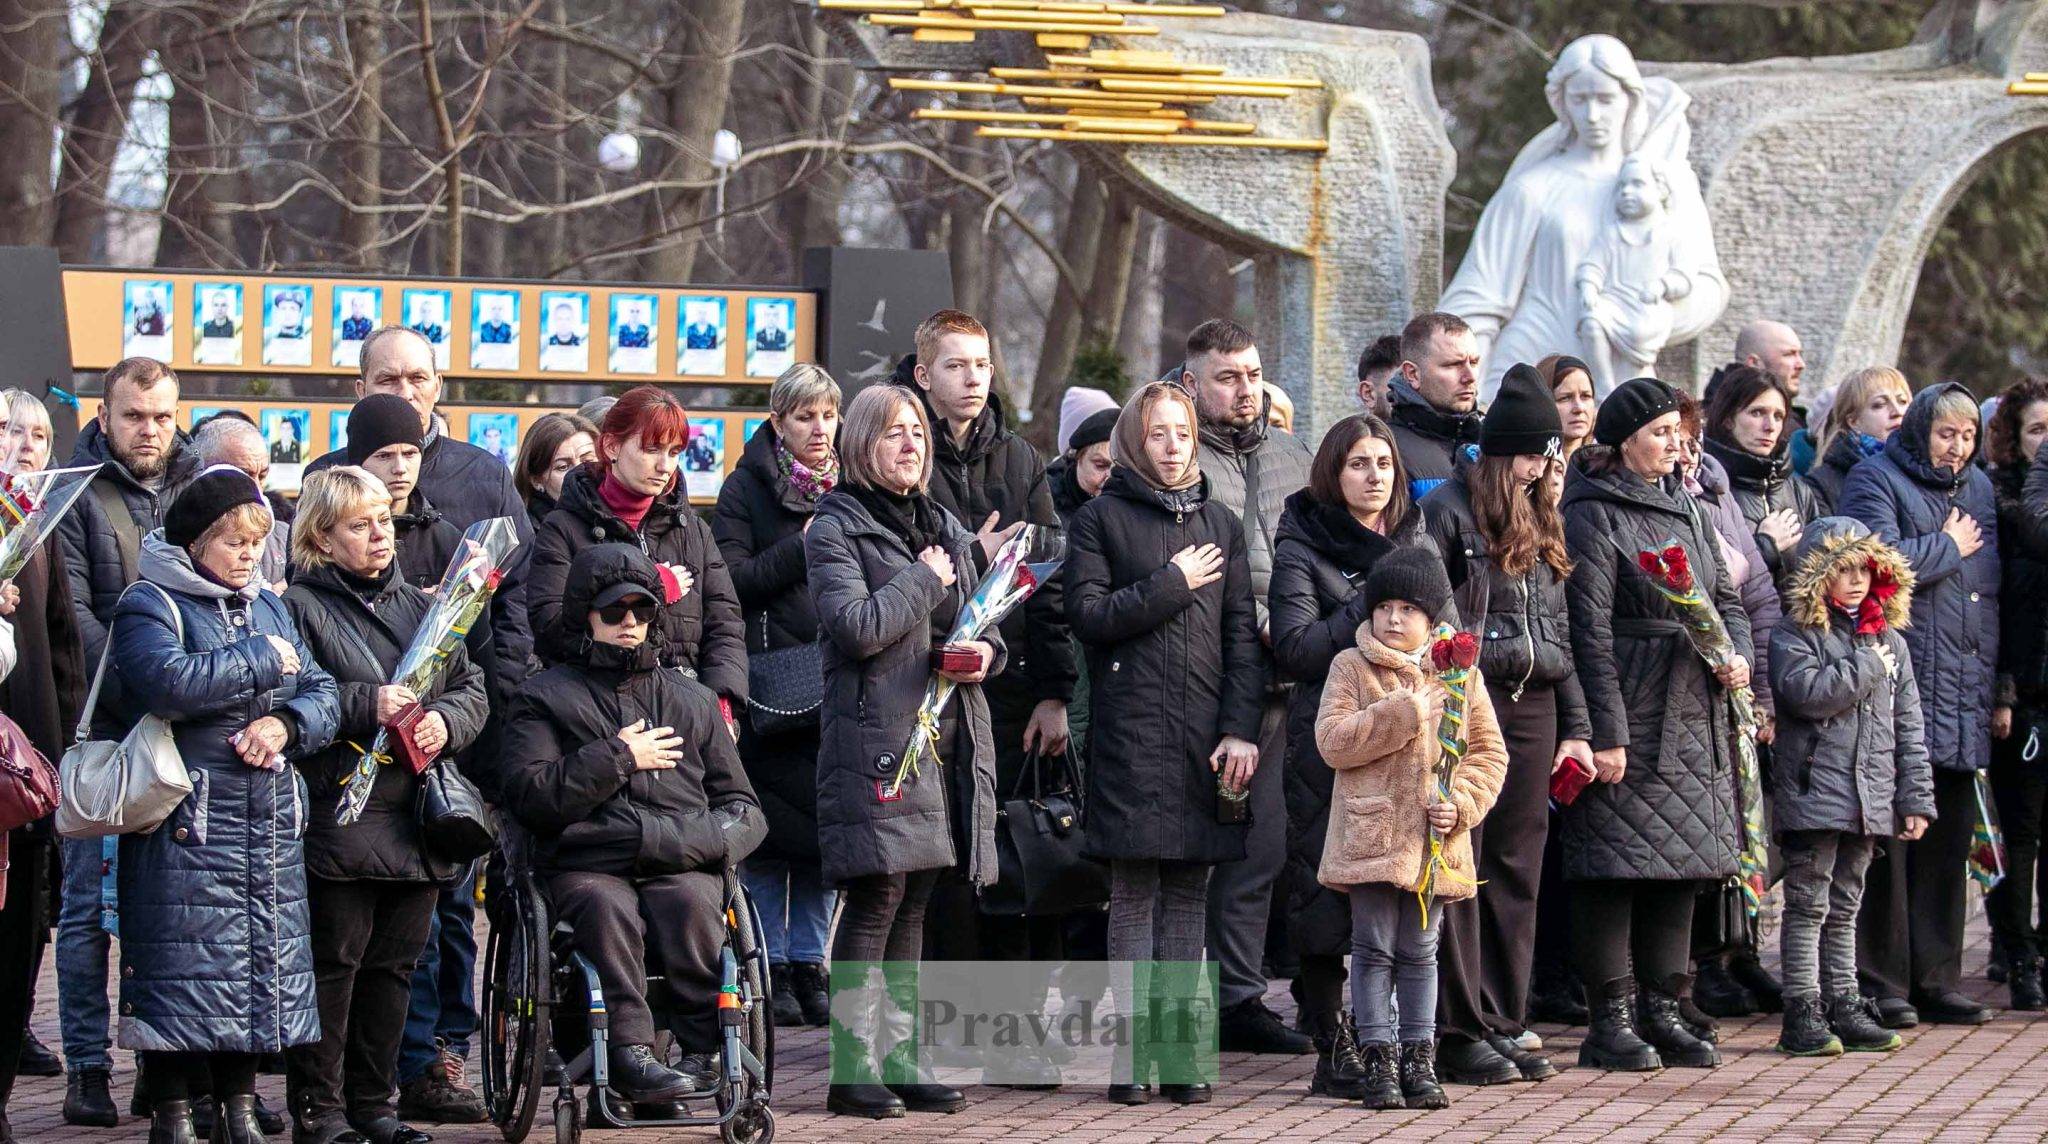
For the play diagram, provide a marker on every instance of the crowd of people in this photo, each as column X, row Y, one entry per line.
column 1237, row 658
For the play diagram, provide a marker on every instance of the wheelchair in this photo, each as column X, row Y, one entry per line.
column 536, row 986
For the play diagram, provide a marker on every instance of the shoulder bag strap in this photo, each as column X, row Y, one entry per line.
column 127, row 538
column 92, row 697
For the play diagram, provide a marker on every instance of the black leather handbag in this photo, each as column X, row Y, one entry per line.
column 1038, row 847
column 785, row 687
column 454, row 826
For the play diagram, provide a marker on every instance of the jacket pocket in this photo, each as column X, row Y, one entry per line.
column 188, row 822
column 1368, row 827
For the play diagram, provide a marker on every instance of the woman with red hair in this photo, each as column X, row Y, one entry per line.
column 633, row 494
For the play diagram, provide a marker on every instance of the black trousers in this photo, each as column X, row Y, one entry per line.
column 181, row 1076
column 2021, row 788
column 1483, row 954
column 24, row 929
column 1909, row 937
column 673, row 921
column 1623, row 928
column 881, row 917
column 1551, row 965
column 366, row 938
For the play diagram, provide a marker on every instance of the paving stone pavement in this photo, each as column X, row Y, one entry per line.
column 1983, row 1083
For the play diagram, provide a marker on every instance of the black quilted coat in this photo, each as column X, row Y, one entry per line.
column 1320, row 561
column 1673, row 814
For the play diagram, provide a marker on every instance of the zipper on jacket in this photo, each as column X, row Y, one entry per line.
column 1528, row 634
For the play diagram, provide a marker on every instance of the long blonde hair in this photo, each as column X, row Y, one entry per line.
column 1850, row 398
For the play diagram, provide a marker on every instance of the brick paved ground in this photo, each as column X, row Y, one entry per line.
column 1985, row 1083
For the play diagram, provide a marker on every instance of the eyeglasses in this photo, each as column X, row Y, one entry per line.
column 627, row 613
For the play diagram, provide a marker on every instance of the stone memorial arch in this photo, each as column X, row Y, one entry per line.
column 1827, row 178
column 1347, row 244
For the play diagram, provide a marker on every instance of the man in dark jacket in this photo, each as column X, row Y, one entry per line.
column 136, row 439
column 1252, row 469
column 1434, row 399
column 467, row 485
column 993, row 482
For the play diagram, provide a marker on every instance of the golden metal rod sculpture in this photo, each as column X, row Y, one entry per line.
column 1187, row 140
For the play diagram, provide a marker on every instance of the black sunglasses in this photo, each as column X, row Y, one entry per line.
column 641, row 611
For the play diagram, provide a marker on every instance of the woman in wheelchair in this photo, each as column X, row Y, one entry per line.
column 628, row 779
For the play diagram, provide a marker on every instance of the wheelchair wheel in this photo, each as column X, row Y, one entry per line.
column 568, row 1121
column 754, row 1125
column 754, row 978
column 518, row 1005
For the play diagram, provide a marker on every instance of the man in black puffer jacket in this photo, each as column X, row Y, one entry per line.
column 628, row 779
column 1435, row 400
column 1252, row 469
column 992, row 480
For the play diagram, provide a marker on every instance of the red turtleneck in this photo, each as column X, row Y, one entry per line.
column 626, row 504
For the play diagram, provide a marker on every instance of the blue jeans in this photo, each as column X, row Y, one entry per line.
column 86, row 919
column 795, row 907
column 1393, row 964
column 443, row 1010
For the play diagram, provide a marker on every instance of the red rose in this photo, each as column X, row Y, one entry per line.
column 1465, row 649
column 1440, row 654
column 493, row 579
column 1025, row 580
column 1650, row 564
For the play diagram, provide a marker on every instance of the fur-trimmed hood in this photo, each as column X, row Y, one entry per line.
column 1833, row 543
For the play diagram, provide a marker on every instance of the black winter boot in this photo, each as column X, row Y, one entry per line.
column 170, row 1122
column 1717, row 993
column 1611, row 1042
column 1382, row 1076
column 1657, row 1022
column 1805, row 1032
column 1419, row 1085
column 1854, row 1020
column 87, row 1101
column 1749, row 972
column 2025, row 980
column 788, row 1014
column 1340, row 1070
column 235, row 1121
column 813, row 989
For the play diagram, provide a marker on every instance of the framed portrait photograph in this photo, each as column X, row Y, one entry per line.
column 494, row 329
column 286, row 431
column 427, row 314
column 630, row 334
column 565, row 331
column 771, row 336
column 749, row 427
column 202, row 412
column 146, row 319
column 287, row 324
column 337, row 430
column 700, row 336
column 357, row 310
column 496, row 434
column 704, row 457
column 217, row 323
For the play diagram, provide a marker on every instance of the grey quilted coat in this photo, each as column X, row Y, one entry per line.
column 1849, row 755
column 1673, row 814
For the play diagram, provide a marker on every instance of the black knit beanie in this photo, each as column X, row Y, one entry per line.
column 1411, row 574
column 1095, row 430
column 211, row 495
column 1523, row 419
column 1632, row 405
column 379, row 420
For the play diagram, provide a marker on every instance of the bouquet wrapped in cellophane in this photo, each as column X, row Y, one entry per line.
column 473, row 575
column 1454, row 654
column 1670, row 572
column 30, row 509
column 1024, row 562
column 1987, row 839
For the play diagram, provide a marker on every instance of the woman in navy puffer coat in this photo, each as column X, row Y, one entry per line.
column 1925, row 497
column 216, row 958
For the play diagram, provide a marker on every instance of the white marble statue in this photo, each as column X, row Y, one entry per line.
column 1561, row 209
